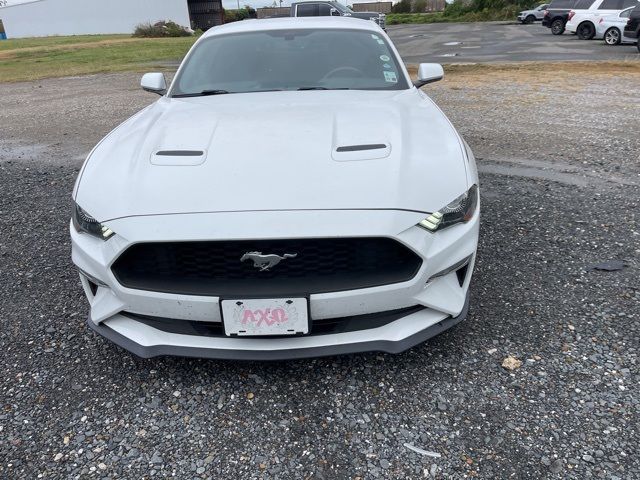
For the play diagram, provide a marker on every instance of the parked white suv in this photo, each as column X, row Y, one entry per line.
column 533, row 15
column 611, row 28
column 587, row 13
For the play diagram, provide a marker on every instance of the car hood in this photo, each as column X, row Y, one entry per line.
column 276, row 151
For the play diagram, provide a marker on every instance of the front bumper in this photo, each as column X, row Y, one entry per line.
column 443, row 300
column 396, row 337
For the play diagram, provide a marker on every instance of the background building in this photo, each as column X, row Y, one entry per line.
column 41, row 18
column 205, row 14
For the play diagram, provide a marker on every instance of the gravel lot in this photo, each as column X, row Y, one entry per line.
column 560, row 192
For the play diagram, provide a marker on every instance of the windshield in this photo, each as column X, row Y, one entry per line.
column 323, row 59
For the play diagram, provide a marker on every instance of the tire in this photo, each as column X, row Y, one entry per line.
column 529, row 20
column 638, row 45
column 557, row 26
column 612, row 36
column 586, row 31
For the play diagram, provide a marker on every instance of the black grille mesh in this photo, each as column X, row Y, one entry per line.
column 214, row 268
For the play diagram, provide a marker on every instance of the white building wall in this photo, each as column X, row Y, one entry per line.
column 42, row 18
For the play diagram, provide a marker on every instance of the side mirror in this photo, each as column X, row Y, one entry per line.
column 154, row 83
column 429, row 73
column 334, row 12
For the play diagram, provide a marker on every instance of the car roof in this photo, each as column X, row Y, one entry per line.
column 286, row 23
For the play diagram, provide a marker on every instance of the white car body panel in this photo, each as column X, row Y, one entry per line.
column 268, row 169
column 592, row 14
column 614, row 21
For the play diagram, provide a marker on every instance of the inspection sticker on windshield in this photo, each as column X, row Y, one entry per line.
column 384, row 58
column 375, row 37
column 390, row 77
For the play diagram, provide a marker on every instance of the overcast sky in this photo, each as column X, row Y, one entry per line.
column 234, row 3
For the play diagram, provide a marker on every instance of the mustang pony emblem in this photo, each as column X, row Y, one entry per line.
column 266, row 262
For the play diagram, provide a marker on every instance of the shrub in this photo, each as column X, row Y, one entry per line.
column 497, row 9
column 397, row 18
column 419, row 6
column 161, row 29
column 403, row 6
column 237, row 15
column 463, row 11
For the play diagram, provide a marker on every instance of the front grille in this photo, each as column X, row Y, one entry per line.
column 214, row 268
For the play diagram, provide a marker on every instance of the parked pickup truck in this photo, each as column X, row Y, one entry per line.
column 557, row 14
column 333, row 9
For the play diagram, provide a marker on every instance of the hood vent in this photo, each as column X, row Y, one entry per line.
column 178, row 158
column 364, row 151
column 360, row 148
column 180, row 153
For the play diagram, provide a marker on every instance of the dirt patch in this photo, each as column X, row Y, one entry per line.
column 532, row 73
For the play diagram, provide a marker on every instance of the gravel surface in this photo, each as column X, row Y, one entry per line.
column 75, row 406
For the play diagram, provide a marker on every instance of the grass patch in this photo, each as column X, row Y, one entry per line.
column 509, row 13
column 53, row 41
column 36, row 58
column 400, row 18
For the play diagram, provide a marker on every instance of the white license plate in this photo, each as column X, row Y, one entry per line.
column 273, row 316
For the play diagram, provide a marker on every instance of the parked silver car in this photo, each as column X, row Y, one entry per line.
column 530, row 16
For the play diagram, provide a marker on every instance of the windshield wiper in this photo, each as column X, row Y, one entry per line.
column 321, row 88
column 207, row 93
column 204, row 93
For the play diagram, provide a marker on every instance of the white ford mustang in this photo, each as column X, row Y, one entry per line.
column 291, row 194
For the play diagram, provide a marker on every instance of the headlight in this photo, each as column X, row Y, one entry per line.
column 461, row 210
column 85, row 223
